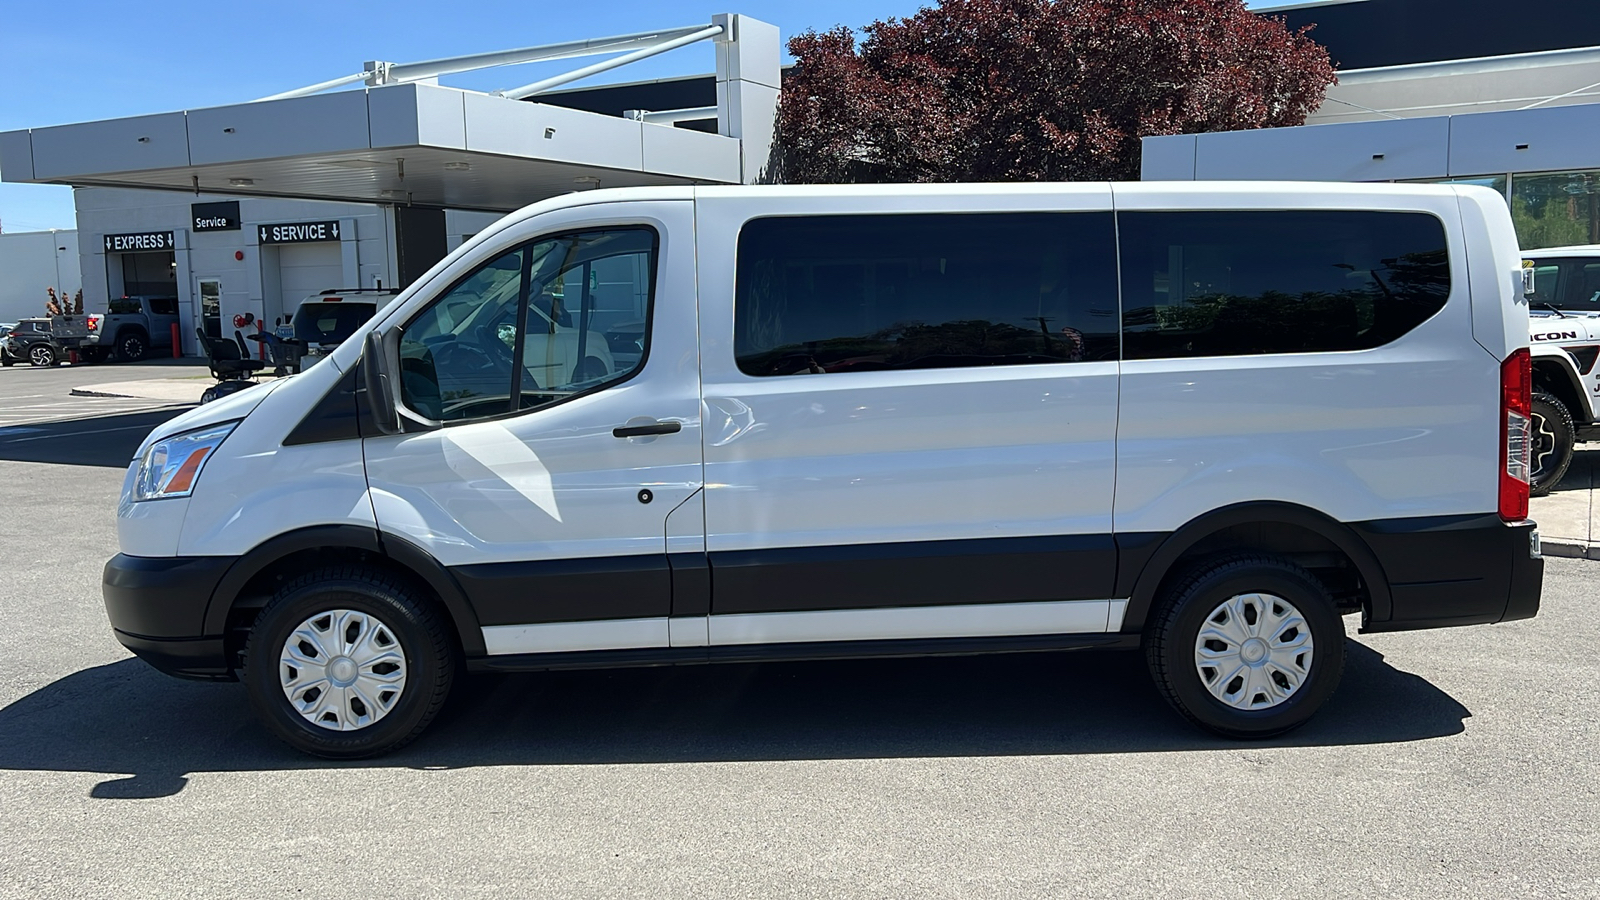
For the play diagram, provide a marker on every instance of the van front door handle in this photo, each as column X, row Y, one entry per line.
column 628, row 431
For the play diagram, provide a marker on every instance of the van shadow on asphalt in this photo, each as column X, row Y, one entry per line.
column 108, row 441
column 127, row 718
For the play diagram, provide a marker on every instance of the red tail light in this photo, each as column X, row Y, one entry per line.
column 1516, row 450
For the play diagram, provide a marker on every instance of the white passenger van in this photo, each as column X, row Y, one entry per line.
column 1202, row 419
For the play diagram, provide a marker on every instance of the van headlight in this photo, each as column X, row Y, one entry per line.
column 171, row 466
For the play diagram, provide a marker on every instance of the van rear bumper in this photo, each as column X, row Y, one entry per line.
column 157, row 607
column 1455, row 570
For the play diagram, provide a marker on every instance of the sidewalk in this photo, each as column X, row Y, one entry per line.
column 1567, row 518
column 186, row 389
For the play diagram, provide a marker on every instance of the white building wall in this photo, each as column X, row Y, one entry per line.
column 247, row 270
column 31, row 261
column 1546, row 139
column 461, row 225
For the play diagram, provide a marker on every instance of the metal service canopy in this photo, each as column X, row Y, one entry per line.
column 409, row 141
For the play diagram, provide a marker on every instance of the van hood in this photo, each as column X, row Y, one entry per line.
column 227, row 409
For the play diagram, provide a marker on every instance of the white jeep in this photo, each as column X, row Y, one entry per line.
column 1564, row 330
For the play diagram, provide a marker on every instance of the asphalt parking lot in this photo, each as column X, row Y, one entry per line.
column 1457, row 763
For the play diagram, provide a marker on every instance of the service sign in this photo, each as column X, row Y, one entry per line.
column 220, row 216
column 134, row 243
column 298, row 232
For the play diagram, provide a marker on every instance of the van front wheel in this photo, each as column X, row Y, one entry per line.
column 348, row 662
column 1246, row 646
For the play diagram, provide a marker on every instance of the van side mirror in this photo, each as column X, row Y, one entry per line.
column 380, row 365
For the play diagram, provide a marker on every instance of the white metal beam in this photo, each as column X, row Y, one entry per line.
column 539, row 87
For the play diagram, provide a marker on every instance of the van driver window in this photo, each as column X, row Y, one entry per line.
column 533, row 327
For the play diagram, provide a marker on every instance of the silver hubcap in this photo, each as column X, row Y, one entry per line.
column 342, row 670
column 1254, row 651
column 41, row 356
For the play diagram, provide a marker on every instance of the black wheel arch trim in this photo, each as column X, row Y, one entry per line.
column 351, row 537
column 1161, row 561
column 1571, row 380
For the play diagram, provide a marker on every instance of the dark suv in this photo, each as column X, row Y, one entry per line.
column 29, row 341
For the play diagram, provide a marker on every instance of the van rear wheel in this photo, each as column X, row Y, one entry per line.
column 348, row 661
column 1246, row 646
column 1553, row 438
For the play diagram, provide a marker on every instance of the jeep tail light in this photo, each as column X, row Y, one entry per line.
column 1516, row 451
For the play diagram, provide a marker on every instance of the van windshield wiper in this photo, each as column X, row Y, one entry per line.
column 1550, row 306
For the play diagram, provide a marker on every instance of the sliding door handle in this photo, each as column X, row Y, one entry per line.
column 646, row 429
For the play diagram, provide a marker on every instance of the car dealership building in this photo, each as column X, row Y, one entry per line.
column 241, row 211
column 1479, row 91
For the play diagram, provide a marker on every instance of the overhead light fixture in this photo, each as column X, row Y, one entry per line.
column 241, row 182
column 457, row 166
column 350, row 163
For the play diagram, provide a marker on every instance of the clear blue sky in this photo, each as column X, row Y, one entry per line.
column 79, row 60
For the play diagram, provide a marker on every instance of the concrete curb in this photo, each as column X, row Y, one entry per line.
column 1569, row 548
column 159, row 390
column 86, row 392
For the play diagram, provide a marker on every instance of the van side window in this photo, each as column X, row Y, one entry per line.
column 1237, row 283
column 539, row 324
column 862, row 293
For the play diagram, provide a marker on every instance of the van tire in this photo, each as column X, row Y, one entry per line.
column 1553, row 439
column 431, row 658
column 1173, row 652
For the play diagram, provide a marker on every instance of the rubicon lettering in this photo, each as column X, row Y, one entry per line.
column 1557, row 336
column 297, row 232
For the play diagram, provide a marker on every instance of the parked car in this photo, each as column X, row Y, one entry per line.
column 1205, row 420
column 1564, row 329
column 325, row 320
column 133, row 327
column 44, row 341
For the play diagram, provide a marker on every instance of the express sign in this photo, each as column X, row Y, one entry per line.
column 297, row 232
column 133, row 243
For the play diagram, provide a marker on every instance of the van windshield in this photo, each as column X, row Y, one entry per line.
column 330, row 323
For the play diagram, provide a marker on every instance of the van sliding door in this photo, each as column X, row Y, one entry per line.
column 910, row 433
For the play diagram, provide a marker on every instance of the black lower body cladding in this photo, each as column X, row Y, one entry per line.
column 1440, row 571
column 1455, row 570
column 157, row 606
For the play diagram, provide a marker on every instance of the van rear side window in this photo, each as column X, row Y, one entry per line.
column 1251, row 282
column 860, row 293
